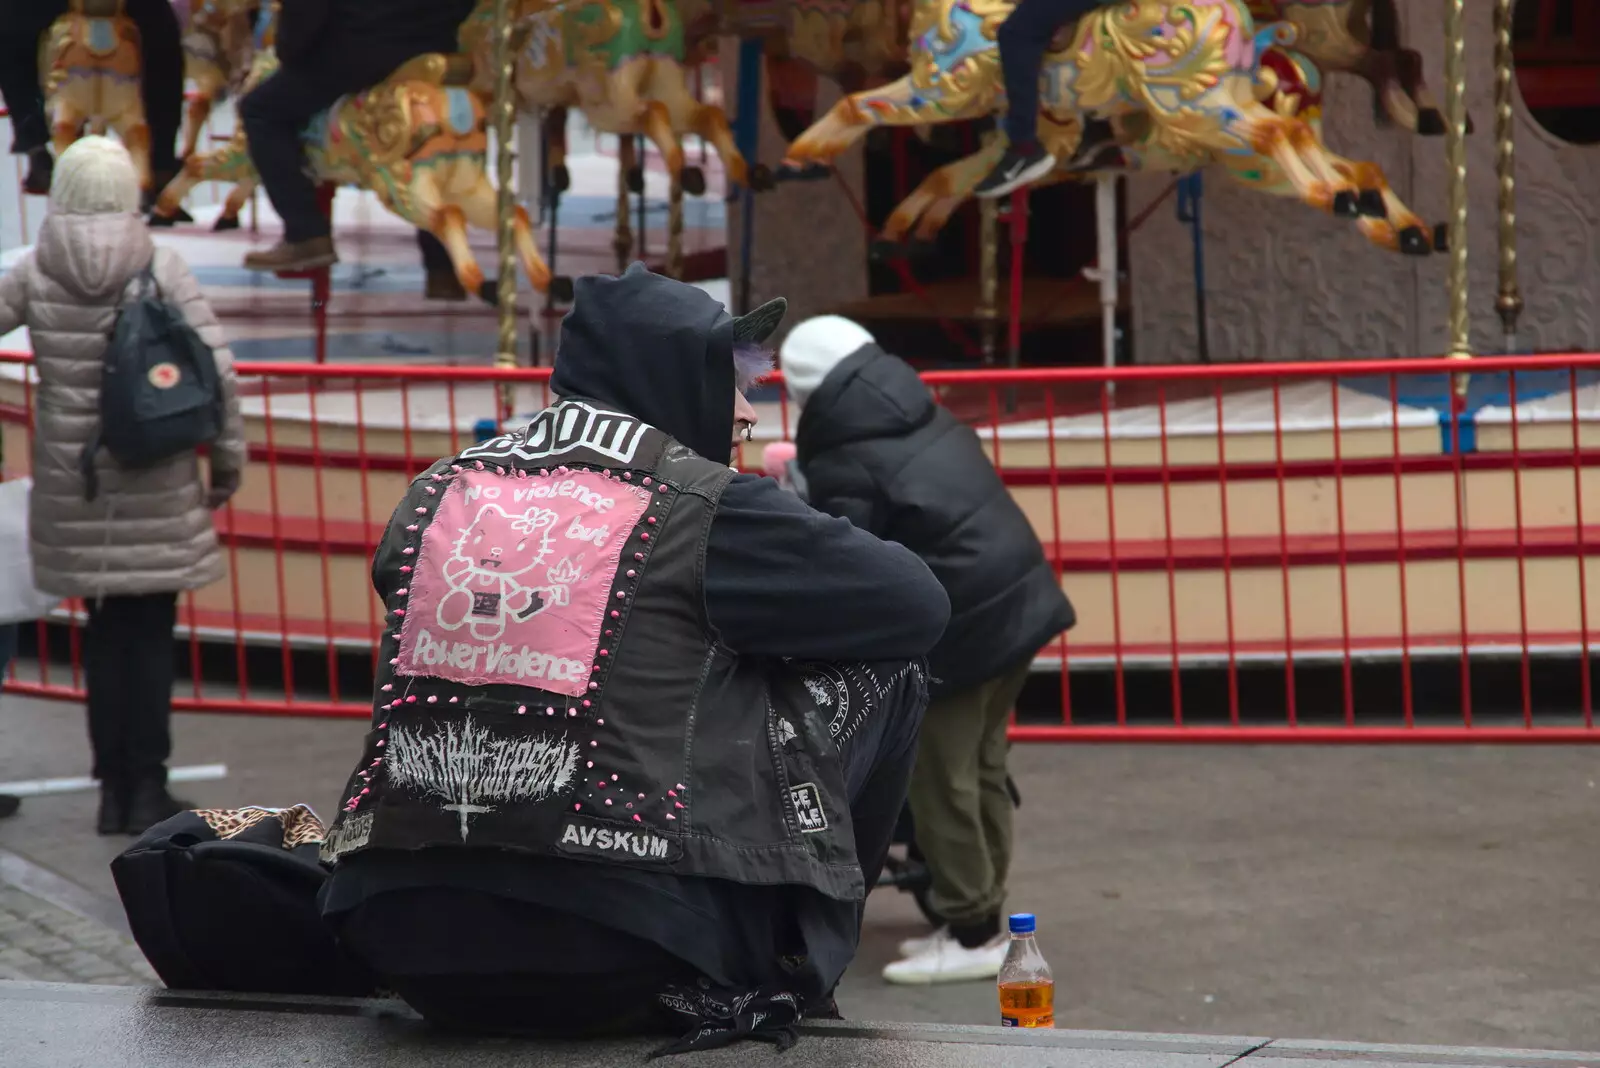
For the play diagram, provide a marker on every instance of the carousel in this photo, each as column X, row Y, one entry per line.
column 1196, row 516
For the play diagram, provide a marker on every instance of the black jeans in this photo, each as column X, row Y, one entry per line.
column 128, row 667
column 1023, row 38
column 276, row 113
column 161, row 45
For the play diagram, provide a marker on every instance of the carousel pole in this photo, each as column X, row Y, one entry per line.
column 989, row 271
column 1508, row 302
column 504, row 120
column 1455, row 104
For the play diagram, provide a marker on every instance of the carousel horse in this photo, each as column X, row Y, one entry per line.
column 1362, row 37
column 90, row 65
column 218, row 45
column 1291, row 86
column 1183, row 81
column 418, row 139
column 623, row 64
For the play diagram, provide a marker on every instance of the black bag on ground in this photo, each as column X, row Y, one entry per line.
column 226, row 899
column 160, row 394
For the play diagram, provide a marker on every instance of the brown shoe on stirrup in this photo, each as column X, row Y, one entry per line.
column 294, row 256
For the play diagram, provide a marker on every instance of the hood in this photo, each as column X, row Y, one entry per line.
column 871, row 394
column 93, row 256
column 657, row 349
column 814, row 348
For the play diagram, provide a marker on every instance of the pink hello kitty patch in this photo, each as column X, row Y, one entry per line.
column 514, row 576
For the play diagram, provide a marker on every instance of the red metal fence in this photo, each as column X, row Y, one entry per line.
column 1325, row 552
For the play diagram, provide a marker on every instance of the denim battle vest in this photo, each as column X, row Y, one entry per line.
column 550, row 682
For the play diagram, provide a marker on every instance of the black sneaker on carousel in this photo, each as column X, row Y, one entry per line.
column 1020, row 166
column 1097, row 149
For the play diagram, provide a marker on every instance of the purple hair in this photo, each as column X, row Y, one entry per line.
column 751, row 363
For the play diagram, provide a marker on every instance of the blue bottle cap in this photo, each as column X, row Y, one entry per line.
column 1022, row 923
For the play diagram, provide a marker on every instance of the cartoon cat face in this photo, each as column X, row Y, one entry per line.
column 497, row 543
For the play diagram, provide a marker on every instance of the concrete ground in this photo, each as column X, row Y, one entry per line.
column 1418, row 895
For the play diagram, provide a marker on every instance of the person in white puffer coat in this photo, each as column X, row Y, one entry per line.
column 148, row 535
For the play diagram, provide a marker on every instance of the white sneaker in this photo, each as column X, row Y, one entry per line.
column 913, row 947
column 944, row 960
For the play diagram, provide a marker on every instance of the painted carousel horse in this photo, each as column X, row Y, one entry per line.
column 1291, row 85
column 418, row 140
column 91, row 66
column 1362, row 37
column 622, row 63
column 1182, row 80
column 218, row 46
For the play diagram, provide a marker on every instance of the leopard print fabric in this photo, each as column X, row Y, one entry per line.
column 300, row 824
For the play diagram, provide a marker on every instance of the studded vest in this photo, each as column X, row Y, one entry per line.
column 550, row 682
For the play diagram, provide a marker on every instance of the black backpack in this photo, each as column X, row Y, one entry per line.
column 160, row 394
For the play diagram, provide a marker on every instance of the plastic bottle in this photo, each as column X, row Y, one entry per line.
column 1027, row 991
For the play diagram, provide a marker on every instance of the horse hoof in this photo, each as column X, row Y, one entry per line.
column 225, row 223
column 160, row 221
column 1414, row 242
column 561, row 289
column 762, row 179
column 1441, row 237
column 921, row 250
column 813, row 172
column 1371, row 204
column 636, row 179
column 560, row 178
column 1430, row 122
column 694, row 181
column 489, row 292
column 1345, row 205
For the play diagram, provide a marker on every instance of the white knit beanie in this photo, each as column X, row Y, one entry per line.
column 94, row 176
column 815, row 347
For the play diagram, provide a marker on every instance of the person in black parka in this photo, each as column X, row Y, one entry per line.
column 874, row 448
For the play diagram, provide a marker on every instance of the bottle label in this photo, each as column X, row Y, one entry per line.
column 1047, row 1019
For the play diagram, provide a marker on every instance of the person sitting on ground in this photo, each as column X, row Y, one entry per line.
column 874, row 448
column 160, row 84
column 1024, row 37
column 643, row 725
column 148, row 534
column 328, row 49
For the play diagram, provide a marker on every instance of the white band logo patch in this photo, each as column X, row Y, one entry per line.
column 566, row 426
column 584, row 837
column 808, row 808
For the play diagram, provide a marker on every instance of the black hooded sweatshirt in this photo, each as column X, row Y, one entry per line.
column 781, row 580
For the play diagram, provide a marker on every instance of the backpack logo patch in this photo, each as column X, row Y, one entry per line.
column 164, row 375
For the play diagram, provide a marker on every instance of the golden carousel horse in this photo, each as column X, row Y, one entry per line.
column 218, row 46
column 90, row 67
column 1181, row 81
column 1292, row 86
column 418, row 140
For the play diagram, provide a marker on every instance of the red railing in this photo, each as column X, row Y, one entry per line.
column 1352, row 558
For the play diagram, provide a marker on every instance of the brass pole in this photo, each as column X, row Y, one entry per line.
column 675, row 228
column 1508, row 301
column 1455, row 74
column 989, row 275
column 504, row 117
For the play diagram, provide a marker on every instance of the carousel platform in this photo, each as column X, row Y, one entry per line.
column 52, row 1026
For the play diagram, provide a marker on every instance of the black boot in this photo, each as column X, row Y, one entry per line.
column 41, row 168
column 149, row 804
column 9, row 803
column 113, row 818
